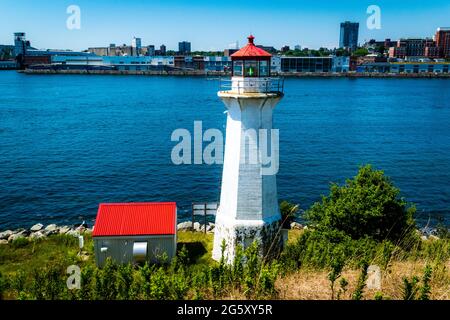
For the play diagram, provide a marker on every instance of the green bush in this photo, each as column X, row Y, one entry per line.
column 319, row 248
column 48, row 283
column 368, row 205
column 361, row 284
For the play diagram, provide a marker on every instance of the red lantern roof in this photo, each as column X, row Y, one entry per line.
column 250, row 51
column 132, row 219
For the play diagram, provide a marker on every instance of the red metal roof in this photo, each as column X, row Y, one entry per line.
column 131, row 219
column 250, row 50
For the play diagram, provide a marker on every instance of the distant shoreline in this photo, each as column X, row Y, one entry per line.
column 199, row 73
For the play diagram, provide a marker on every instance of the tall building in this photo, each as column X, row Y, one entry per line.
column 20, row 44
column 151, row 50
column 285, row 49
column 442, row 39
column 184, row 47
column 162, row 50
column 136, row 44
column 349, row 35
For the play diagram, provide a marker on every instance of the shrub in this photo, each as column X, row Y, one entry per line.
column 319, row 248
column 47, row 283
column 336, row 268
column 124, row 280
column 368, row 205
column 159, row 285
column 179, row 284
column 266, row 281
column 361, row 284
column 18, row 281
column 86, row 291
column 425, row 290
column 410, row 288
column 288, row 213
column 105, row 282
column 343, row 283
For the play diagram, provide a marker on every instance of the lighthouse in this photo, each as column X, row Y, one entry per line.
column 248, row 209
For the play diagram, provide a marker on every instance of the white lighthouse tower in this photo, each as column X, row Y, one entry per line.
column 249, row 208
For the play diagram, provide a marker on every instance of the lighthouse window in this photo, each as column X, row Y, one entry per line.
column 251, row 68
column 263, row 69
column 237, row 68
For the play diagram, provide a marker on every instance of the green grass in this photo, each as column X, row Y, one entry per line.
column 29, row 255
column 199, row 246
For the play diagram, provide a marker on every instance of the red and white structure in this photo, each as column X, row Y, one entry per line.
column 248, row 208
column 135, row 232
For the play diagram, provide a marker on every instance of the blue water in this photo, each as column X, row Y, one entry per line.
column 70, row 142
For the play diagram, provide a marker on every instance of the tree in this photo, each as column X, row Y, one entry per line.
column 360, row 52
column 368, row 205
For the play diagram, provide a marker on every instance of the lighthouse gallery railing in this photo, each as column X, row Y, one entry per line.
column 252, row 85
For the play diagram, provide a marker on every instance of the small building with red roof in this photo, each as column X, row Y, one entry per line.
column 135, row 232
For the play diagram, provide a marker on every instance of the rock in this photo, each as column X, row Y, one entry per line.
column 3, row 241
column 424, row 238
column 37, row 235
column 305, row 227
column 64, row 230
column 187, row 225
column 5, row 234
column 296, row 225
column 51, row 227
column 197, row 226
column 22, row 231
column 81, row 229
column 73, row 233
column 16, row 236
column 36, row 227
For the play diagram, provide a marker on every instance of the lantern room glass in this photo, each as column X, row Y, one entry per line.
column 263, row 68
column 251, row 68
column 237, row 68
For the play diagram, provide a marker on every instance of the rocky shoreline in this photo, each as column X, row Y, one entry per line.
column 39, row 231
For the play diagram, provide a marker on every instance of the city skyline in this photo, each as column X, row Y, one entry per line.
column 212, row 26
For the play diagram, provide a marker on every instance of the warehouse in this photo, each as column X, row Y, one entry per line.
column 135, row 232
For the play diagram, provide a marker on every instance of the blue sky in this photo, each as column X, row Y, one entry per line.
column 214, row 24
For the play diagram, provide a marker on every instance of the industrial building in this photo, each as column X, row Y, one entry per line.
column 184, row 48
column 404, row 67
column 306, row 64
column 135, row 232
